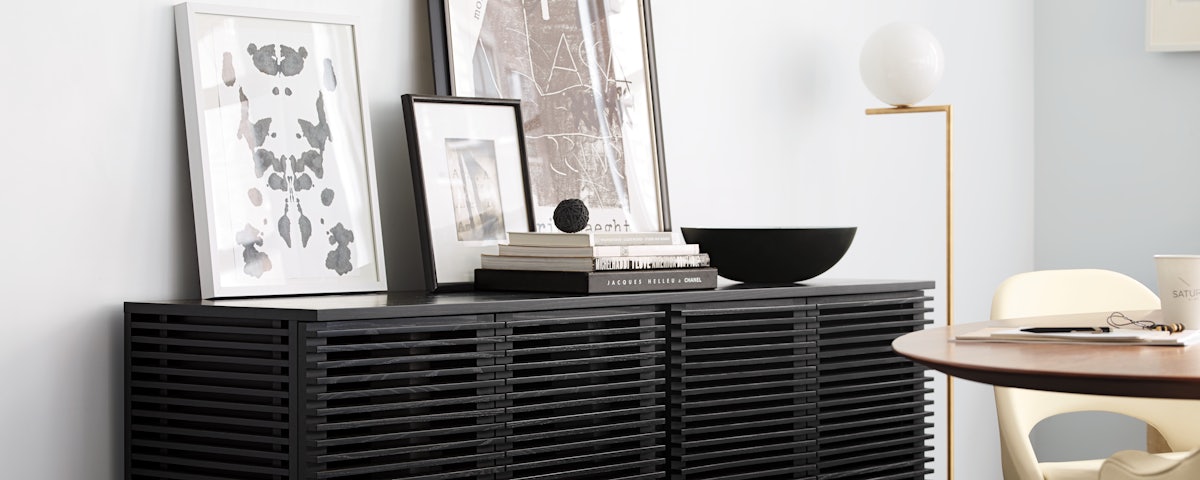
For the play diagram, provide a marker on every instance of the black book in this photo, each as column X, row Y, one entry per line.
column 610, row 281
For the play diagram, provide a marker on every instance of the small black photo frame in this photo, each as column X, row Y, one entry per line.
column 469, row 177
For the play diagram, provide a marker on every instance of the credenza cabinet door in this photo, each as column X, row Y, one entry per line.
column 418, row 398
column 871, row 415
column 743, row 398
column 586, row 395
column 208, row 397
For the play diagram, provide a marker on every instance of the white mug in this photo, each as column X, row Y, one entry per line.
column 1179, row 289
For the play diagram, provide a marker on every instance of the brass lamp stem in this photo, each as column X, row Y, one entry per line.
column 949, row 257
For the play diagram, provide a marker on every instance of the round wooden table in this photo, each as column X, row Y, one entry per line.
column 1127, row 370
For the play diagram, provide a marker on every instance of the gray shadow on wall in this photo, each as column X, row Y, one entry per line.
column 115, row 324
column 187, row 270
column 397, row 206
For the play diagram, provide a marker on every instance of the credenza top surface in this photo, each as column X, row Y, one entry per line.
column 419, row 303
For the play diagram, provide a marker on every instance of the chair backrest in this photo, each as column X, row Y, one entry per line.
column 1052, row 292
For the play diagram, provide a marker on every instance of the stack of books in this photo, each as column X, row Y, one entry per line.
column 595, row 263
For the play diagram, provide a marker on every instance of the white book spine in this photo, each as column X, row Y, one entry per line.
column 652, row 238
column 652, row 261
column 549, row 239
column 588, row 264
column 603, row 251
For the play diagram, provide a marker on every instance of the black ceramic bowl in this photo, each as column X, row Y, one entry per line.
column 771, row 255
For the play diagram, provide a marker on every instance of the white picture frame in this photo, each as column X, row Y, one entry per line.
column 469, row 180
column 1172, row 25
column 279, row 144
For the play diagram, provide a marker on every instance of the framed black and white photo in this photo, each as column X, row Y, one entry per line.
column 279, row 141
column 468, row 161
column 584, row 71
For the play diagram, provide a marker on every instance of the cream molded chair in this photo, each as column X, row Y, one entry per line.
column 1050, row 292
column 1018, row 410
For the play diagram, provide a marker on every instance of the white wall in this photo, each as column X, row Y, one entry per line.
column 763, row 124
column 97, row 204
column 1117, row 144
column 1118, row 156
column 763, row 114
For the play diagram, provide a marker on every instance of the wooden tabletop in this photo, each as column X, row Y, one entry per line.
column 1129, row 370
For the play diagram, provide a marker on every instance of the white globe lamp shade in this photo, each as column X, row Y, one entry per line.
column 901, row 64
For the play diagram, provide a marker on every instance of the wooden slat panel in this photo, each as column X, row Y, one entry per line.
column 871, row 402
column 743, row 391
column 407, row 398
column 207, row 398
column 587, row 397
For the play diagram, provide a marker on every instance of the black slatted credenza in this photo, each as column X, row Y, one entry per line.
column 741, row 382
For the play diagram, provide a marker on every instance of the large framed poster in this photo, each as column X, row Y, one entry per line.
column 584, row 71
column 279, row 140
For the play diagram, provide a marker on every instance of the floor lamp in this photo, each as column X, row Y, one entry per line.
column 901, row 64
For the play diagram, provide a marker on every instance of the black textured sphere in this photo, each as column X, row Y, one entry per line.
column 571, row 215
